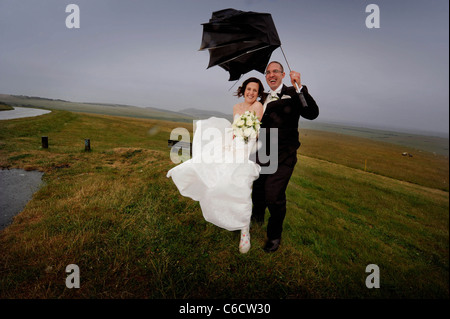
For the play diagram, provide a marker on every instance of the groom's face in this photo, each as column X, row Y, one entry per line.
column 274, row 75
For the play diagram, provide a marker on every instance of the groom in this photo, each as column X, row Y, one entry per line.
column 283, row 107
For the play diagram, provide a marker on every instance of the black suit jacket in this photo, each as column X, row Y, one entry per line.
column 284, row 114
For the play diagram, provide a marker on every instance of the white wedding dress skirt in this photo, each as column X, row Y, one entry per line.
column 219, row 175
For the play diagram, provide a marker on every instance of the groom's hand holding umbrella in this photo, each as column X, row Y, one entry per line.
column 295, row 79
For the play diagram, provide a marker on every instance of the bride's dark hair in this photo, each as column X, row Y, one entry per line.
column 241, row 90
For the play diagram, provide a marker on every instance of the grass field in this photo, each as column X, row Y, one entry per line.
column 112, row 211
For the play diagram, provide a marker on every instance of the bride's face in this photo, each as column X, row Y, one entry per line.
column 251, row 92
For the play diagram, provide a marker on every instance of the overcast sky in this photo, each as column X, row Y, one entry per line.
column 145, row 53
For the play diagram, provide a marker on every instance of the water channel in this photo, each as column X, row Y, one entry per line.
column 17, row 186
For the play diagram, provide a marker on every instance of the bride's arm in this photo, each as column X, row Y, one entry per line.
column 235, row 110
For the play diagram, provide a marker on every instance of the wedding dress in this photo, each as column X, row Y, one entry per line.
column 219, row 175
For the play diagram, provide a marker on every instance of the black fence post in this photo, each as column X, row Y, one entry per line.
column 44, row 141
column 87, row 145
column 177, row 145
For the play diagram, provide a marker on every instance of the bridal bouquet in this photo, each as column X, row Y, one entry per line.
column 246, row 126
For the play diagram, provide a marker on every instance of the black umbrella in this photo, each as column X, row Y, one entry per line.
column 240, row 41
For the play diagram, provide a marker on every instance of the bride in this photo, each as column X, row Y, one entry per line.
column 222, row 182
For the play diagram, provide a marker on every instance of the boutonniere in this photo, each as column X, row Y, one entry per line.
column 274, row 97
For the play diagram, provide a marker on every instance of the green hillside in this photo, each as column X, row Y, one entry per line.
column 112, row 211
column 96, row 108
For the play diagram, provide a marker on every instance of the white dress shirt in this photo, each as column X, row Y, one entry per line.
column 273, row 95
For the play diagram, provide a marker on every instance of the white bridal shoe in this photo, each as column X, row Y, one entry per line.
column 244, row 245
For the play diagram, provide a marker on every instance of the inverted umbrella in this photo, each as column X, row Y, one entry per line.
column 240, row 41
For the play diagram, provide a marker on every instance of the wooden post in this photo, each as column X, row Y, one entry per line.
column 44, row 141
column 87, row 145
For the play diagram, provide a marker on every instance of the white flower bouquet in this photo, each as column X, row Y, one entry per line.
column 246, row 126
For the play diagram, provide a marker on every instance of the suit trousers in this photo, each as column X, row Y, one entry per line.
column 269, row 191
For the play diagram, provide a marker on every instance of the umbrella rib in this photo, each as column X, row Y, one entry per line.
column 247, row 52
column 224, row 45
